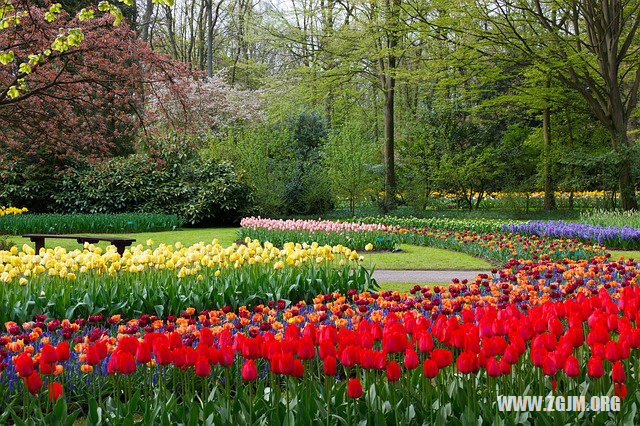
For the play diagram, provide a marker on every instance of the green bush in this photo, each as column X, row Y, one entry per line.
column 170, row 177
column 284, row 162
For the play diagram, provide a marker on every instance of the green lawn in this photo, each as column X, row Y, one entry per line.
column 187, row 236
column 405, row 287
column 626, row 253
column 418, row 257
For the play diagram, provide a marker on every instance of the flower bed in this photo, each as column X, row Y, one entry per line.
column 12, row 211
column 615, row 236
column 356, row 235
column 383, row 357
column 168, row 279
column 93, row 223
column 502, row 246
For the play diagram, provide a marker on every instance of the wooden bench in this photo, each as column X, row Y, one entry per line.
column 120, row 242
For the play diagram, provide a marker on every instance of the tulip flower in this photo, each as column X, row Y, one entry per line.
column 595, row 368
column 202, row 368
column 62, row 351
column 143, row 353
column 617, row 372
column 393, row 371
column 48, row 354
column 571, row 367
column 249, row 370
column 33, row 383
column 329, row 366
column 430, row 368
column 411, row 360
column 354, row 388
column 55, row 390
column 24, row 365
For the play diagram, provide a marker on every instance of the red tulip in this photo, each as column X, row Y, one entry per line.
column 125, row 362
column 329, row 366
column 511, row 354
column 163, row 355
column 249, row 370
column 327, row 349
column 48, row 354
column 33, row 383
column 595, row 368
column 430, row 368
column 393, row 371
column 226, row 356
column 178, row 357
column 549, row 366
column 466, row 362
column 617, row 372
column 55, row 390
column 175, row 341
column 297, row 369
column 612, row 351
column 46, row 368
column 92, row 355
column 202, row 368
column 190, row 356
column 251, row 348
column 380, row 360
column 571, row 367
column 128, row 344
column 411, row 360
column 493, row 368
column 306, row 350
column 354, row 388
column 394, row 342
column 206, row 336
column 350, row 356
column 425, row 342
column 442, row 357
column 143, row 353
column 62, row 351
column 24, row 365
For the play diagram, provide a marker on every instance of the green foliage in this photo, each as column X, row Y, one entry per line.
column 87, row 223
column 611, row 218
column 283, row 164
column 171, row 177
column 350, row 156
column 5, row 243
column 163, row 293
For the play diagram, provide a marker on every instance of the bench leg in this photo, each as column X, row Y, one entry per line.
column 120, row 247
column 39, row 241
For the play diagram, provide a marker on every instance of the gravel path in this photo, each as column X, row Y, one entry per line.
column 385, row 275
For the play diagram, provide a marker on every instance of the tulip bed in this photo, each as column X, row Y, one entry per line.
column 50, row 223
column 356, row 235
column 501, row 246
column 479, row 238
column 8, row 211
column 168, row 279
column 615, row 236
column 434, row 355
column 478, row 225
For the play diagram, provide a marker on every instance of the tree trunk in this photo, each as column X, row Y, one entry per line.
column 210, row 38
column 146, row 20
column 549, row 198
column 620, row 142
column 389, row 140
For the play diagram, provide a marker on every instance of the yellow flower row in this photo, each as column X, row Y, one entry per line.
column 5, row 211
column 22, row 265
